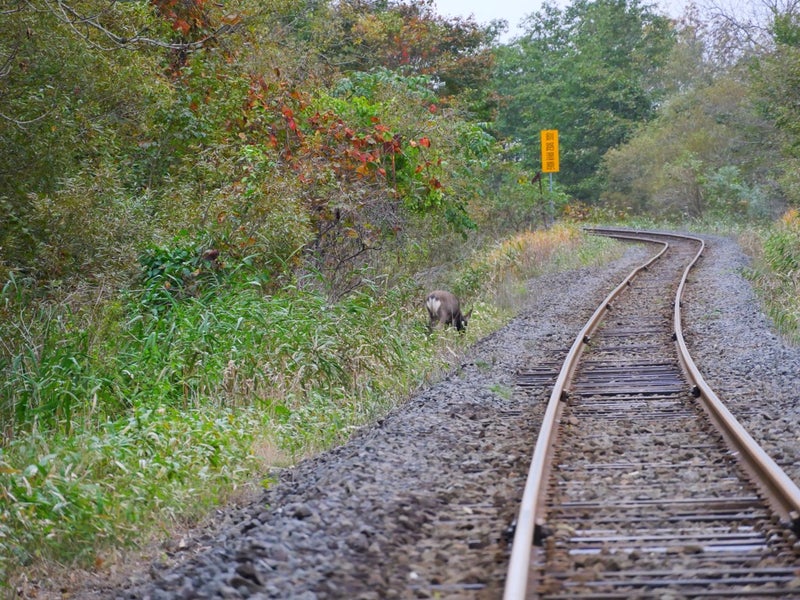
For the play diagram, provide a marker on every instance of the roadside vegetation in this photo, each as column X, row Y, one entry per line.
column 218, row 223
column 776, row 272
column 131, row 421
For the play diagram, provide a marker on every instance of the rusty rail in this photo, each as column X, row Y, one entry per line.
column 782, row 494
column 527, row 529
column 780, row 491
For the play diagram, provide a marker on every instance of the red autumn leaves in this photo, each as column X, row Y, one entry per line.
column 316, row 143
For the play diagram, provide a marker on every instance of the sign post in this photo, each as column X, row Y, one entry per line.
column 549, row 150
column 549, row 142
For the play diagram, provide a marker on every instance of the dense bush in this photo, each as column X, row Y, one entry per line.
column 690, row 163
column 777, row 273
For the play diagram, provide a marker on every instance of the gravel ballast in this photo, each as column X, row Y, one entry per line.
column 750, row 367
column 421, row 504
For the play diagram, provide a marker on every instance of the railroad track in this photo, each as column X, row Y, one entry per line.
column 642, row 484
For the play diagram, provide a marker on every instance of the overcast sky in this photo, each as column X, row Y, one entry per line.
column 514, row 10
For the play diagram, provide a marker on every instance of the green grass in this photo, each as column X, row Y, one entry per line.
column 128, row 416
column 65, row 498
column 776, row 272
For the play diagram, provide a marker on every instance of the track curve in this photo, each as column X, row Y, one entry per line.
column 605, row 512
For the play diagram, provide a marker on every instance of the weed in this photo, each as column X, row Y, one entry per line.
column 503, row 391
column 776, row 273
column 150, row 408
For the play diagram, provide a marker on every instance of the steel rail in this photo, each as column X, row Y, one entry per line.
column 527, row 529
column 780, row 492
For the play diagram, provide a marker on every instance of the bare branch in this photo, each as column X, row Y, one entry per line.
column 74, row 20
column 5, row 68
column 751, row 24
column 20, row 123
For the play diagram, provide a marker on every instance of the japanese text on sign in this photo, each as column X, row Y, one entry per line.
column 549, row 150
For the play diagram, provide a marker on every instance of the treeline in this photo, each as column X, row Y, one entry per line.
column 722, row 144
column 684, row 119
column 334, row 134
column 320, row 133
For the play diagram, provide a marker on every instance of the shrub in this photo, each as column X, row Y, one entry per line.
column 777, row 273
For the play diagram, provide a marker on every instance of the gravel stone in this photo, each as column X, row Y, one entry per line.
column 422, row 504
column 750, row 367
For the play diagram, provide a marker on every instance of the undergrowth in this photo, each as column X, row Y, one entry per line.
column 776, row 272
column 127, row 416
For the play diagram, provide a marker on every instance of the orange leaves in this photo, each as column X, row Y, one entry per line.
column 181, row 25
column 189, row 17
column 423, row 141
column 288, row 114
column 363, row 153
column 321, row 146
column 272, row 107
column 393, row 145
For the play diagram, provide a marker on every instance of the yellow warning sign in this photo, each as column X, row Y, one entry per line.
column 549, row 150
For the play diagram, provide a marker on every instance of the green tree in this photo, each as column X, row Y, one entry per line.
column 407, row 37
column 722, row 144
column 70, row 100
column 777, row 91
column 697, row 157
column 122, row 122
column 589, row 70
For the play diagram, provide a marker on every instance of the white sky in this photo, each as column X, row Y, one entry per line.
column 514, row 10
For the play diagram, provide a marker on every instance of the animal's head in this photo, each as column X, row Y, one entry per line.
column 464, row 320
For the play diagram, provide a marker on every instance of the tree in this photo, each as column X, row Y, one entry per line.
column 66, row 104
column 407, row 36
column 710, row 151
column 590, row 71
column 777, row 87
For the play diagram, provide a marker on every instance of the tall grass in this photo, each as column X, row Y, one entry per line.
column 66, row 498
column 500, row 271
column 114, row 427
column 776, row 272
column 125, row 419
